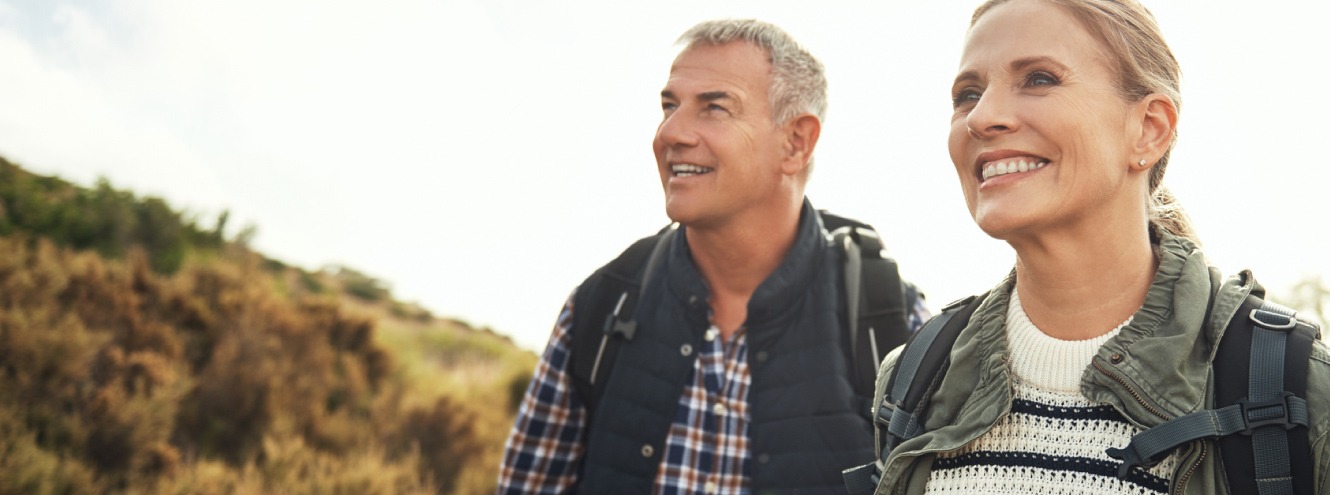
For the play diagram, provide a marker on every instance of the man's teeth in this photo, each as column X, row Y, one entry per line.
column 687, row 170
column 1010, row 167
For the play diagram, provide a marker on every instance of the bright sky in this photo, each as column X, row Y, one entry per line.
column 484, row 157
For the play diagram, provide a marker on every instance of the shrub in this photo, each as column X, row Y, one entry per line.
column 142, row 354
column 114, row 379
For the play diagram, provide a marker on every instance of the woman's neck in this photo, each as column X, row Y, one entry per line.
column 1080, row 284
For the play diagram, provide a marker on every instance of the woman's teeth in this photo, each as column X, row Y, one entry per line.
column 1010, row 167
column 688, row 170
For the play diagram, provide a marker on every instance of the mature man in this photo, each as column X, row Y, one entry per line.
column 721, row 356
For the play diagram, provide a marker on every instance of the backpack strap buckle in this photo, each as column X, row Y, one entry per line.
column 1272, row 320
column 885, row 411
column 1286, row 410
column 1130, row 458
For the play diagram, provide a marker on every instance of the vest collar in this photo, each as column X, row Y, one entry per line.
column 775, row 295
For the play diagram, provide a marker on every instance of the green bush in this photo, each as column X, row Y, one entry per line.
column 101, row 218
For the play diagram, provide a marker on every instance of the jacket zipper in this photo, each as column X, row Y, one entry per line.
column 1182, row 482
column 1148, row 407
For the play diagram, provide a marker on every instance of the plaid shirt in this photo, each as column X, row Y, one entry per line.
column 707, row 445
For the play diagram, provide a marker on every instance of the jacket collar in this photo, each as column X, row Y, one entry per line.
column 1185, row 312
column 1184, row 315
column 1169, row 370
column 775, row 294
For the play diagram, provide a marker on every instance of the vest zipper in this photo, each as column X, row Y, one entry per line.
column 1119, row 379
column 1182, row 482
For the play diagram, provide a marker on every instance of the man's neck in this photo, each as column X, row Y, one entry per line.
column 735, row 258
column 1081, row 282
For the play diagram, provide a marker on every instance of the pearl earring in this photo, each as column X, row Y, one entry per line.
column 1142, row 162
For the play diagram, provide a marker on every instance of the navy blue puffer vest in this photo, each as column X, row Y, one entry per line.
column 806, row 423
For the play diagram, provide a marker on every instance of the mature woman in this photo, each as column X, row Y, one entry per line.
column 1065, row 113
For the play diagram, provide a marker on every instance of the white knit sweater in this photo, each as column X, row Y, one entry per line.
column 1053, row 441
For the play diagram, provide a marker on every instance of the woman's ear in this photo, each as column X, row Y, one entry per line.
column 1158, row 119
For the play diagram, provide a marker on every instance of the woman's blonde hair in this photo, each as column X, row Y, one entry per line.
column 1145, row 65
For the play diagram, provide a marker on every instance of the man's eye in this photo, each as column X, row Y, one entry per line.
column 1040, row 78
column 667, row 106
column 965, row 96
column 713, row 106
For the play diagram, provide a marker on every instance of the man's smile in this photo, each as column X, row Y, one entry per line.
column 689, row 170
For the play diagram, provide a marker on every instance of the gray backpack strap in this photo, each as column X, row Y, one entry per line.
column 877, row 309
column 925, row 358
column 1269, row 403
column 1269, row 412
column 603, row 309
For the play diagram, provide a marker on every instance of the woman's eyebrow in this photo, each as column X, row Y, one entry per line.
column 966, row 76
column 1022, row 63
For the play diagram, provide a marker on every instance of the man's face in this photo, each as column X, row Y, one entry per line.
column 717, row 150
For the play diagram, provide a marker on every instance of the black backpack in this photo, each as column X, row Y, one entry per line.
column 1259, row 401
column 878, row 305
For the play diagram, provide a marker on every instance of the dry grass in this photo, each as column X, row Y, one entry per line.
column 214, row 380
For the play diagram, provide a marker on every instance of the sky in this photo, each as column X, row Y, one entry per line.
column 484, row 157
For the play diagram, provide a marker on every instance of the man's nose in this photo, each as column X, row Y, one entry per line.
column 677, row 130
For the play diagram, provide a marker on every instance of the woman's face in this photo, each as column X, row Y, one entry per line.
column 1040, row 134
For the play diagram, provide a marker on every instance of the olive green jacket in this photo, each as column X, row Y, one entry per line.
column 1164, row 373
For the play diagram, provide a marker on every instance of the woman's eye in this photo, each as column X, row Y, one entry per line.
column 1041, row 79
column 965, row 96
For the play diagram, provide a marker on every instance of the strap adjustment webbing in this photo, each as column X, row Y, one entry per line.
column 1266, row 405
column 862, row 480
column 1150, row 446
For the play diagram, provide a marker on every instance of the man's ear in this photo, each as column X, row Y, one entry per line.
column 801, row 135
column 1158, row 119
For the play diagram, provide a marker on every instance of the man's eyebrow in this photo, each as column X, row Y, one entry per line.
column 713, row 96
column 708, row 96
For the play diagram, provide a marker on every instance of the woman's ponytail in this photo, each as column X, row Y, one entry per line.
column 1167, row 215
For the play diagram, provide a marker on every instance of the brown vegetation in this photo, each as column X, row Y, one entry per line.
column 212, row 377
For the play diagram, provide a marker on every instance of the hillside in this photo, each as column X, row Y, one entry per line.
column 143, row 353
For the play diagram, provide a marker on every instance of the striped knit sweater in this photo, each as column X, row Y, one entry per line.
column 1053, row 441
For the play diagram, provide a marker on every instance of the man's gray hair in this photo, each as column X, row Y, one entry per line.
column 798, row 81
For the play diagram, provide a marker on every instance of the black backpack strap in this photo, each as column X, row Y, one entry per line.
column 603, row 308
column 877, row 306
column 833, row 222
column 875, row 303
column 1241, row 462
column 921, row 364
column 1263, row 401
column 925, row 358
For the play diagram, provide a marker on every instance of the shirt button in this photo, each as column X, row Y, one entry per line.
column 647, row 450
column 686, row 349
column 763, row 458
column 711, row 334
column 711, row 487
column 719, row 409
column 761, row 356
